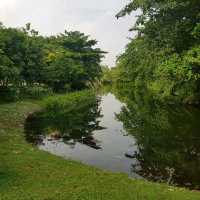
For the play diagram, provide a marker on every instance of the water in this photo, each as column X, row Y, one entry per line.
column 106, row 148
column 163, row 143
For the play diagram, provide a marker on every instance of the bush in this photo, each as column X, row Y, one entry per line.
column 8, row 94
column 70, row 101
column 35, row 92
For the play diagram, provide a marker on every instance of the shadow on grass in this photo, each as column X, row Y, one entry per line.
column 7, row 177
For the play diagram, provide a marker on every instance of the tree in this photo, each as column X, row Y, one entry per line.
column 13, row 48
column 68, row 61
column 160, row 59
column 72, row 61
column 9, row 74
column 168, row 23
column 81, row 48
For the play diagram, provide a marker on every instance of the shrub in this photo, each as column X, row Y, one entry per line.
column 68, row 102
column 9, row 94
column 35, row 92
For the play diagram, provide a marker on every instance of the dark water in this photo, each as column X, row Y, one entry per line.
column 163, row 144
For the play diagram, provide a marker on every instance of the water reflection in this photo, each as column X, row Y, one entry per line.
column 140, row 138
column 69, row 127
column 168, row 140
column 92, row 135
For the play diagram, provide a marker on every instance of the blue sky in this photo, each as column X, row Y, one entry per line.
column 93, row 17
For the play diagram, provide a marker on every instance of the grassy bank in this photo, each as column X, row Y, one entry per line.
column 27, row 173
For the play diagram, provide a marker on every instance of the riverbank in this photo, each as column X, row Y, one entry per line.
column 27, row 173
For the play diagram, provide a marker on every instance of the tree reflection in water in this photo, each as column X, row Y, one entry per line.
column 168, row 139
column 71, row 127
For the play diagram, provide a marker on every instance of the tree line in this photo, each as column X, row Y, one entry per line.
column 163, row 60
column 67, row 61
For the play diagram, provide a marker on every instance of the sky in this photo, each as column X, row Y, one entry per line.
column 93, row 17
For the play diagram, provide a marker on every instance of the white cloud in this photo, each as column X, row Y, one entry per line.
column 94, row 17
column 7, row 3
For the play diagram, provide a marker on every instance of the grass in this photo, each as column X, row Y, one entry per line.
column 27, row 173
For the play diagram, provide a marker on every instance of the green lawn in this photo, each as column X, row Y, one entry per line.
column 27, row 173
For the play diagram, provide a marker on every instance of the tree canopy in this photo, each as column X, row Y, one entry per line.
column 68, row 61
column 164, row 58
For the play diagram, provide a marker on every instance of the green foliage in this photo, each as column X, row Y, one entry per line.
column 72, row 60
column 9, row 94
column 109, row 75
column 8, row 72
column 35, row 92
column 67, row 102
column 64, row 62
column 65, row 71
column 163, row 59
